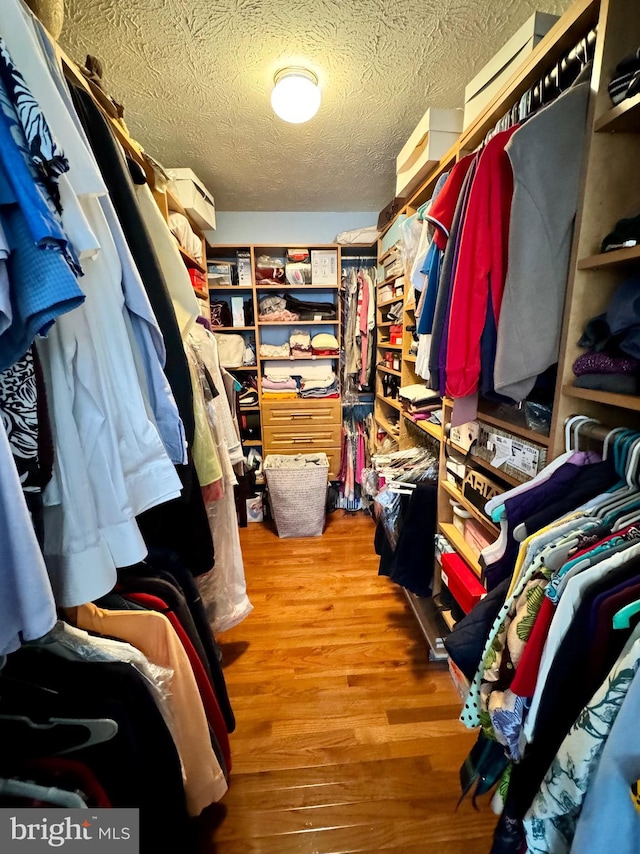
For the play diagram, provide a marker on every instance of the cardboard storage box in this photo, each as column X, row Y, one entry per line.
column 194, row 197
column 504, row 64
column 434, row 135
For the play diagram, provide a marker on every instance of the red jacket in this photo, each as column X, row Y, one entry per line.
column 482, row 264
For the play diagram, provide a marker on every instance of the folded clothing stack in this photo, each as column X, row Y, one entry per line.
column 275, row 351
column 320, row 386
column 307, row 310
column 273, row 309
column 270, row 271
column 612, row 340
column 418, row 401
column 325, row 344
column 181, row 229
column 279, row 387
column 300, row 344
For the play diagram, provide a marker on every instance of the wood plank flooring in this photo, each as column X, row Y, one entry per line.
column 347, row 737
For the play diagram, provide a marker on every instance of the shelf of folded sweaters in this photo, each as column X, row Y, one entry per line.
column 299, row 345
column 299, row 379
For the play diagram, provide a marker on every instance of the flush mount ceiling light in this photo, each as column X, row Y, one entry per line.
column 295, row 97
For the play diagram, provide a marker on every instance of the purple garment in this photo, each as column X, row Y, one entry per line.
column 603, row 363
column 205, row 322
column 451, row 273
column 520, row 507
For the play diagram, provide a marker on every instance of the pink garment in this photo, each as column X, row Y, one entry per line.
column 278, row 316
column 363, row 325
column 288, row 384
column 360, row 458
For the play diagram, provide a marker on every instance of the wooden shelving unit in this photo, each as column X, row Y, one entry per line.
column 278, row 332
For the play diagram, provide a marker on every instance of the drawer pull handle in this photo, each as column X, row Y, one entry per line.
column 308, row 439
column 301, row 415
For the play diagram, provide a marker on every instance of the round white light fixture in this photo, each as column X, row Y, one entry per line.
column 295, row 97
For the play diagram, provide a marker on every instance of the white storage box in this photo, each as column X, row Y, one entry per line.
column 434, row 135
column 194, row 197
column 504, row 64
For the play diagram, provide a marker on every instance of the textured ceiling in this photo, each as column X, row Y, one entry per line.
column 195, row 77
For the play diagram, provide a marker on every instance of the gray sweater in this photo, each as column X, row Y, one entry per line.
column 546, row 156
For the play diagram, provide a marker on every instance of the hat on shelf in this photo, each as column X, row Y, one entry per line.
column 626, row 79
column 625, row 234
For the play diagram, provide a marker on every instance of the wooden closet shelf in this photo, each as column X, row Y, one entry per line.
column 385, row 345
column 288, row 287
column 617, row 258
column 459, row 543
column 230, row 287
column 244, row 368
column 390, row 279
column 391, row 251
column 623, row 118
column 249, row 408
column 623, row 401
column 434, row 430
column 233, row 328
column 252, row 443
column 390, row 402
column 292, row 359
column 391, row 301
column 385, row 370
column 387, row 426
column 388, row 323
column 265, row 323
column 408, row 357
column 202, row 294
column 477, row 515
column 190, row 261
column 517, row 429
column 507, row 478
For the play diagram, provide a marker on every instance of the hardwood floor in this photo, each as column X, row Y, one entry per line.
column 347, row 737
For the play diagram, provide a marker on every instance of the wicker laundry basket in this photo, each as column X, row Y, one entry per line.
column 297, row 486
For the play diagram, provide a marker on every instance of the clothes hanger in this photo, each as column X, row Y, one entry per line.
column 622, row 618
column 621, row 444
column 56, row 737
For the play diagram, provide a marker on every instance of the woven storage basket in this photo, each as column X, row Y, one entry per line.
column 297, row 493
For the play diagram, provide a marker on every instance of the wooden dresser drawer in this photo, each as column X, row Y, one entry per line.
column 290, row 436
column 334, row 454
column 300, row 413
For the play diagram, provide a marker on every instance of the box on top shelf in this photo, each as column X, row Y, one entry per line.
column 490, row 79
column 433, row 136
column 194, row 197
